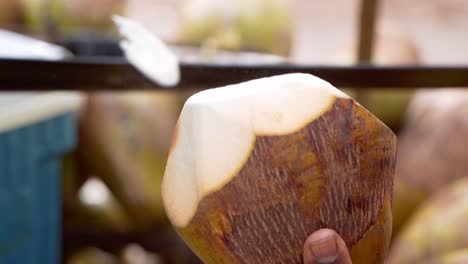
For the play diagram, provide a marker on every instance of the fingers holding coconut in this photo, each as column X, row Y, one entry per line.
column 392, row 47
column 257, row 167
column 325, row 246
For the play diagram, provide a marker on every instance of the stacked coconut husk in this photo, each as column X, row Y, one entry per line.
column 431, row 187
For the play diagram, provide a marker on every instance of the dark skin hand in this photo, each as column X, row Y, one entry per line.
column 325, row 246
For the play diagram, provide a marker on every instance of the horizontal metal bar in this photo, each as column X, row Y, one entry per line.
column 116, row 74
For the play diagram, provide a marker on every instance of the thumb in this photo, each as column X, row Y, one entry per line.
column 325, row 246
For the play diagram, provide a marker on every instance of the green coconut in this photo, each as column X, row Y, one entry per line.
column 264, row 25
column 455, row 257
column 87, row 202
column 72, row 16
column 437, row 228
column 124, row 140
column 431, row 149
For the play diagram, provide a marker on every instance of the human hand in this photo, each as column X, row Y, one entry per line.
column 325, row 246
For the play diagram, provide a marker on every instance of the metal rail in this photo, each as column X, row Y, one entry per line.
column 117, row 74
column 113, row 72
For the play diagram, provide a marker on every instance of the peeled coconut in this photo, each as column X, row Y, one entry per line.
column 436, row 229
column 392, row 48
column 431, row 148
column 263, row 25
column 256, row 167
column 124, row 139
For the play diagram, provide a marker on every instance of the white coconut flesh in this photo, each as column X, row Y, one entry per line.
column 217, row 130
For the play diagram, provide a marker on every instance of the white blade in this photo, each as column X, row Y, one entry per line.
column 147, row 52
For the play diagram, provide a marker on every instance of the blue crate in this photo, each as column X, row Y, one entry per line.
column 30, row 194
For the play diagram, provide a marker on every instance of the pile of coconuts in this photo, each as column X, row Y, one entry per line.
column 111, row 183
column 431, row 152
column 62, row 18
column 124, row 140
column 262, row 26
column 71, row 16
column 66, row 16
column 431, row 187
column 435, row 233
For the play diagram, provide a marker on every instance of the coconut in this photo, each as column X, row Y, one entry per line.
column 263, row 25
column 455, row 257
column 92, row 256
column 124, row 139
column 431, row 148
column 256, row 167
column 97, row 209
column 71, row 16
column 437, row 228
column 87, row 202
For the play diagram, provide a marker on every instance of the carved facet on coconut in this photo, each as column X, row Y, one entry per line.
column 392, row 48
column 256, row 167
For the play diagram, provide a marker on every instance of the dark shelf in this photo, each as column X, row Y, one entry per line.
column 115, row 73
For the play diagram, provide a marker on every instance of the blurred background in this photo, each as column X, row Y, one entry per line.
column 93, row 188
